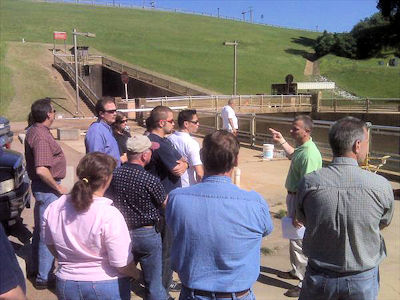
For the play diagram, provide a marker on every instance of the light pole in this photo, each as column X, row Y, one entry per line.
column 234, row 44
column 75, row 34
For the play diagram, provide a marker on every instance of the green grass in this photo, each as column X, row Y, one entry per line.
column 189, row 47
column 6, row 88
column 364, row 78
column 184, row 46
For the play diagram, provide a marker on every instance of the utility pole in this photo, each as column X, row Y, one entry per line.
column 234, row 44
column 251, row 14
column 218, row 12
column 244, row 16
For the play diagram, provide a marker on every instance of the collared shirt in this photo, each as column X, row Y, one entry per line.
column 217, row 230
column 343, row 208
column 226, row 114
column 305, row 159
column 41, row 150
column 91, row 245
column 137, row 194
column 99, row 137
column 163, row 161
column 189, row 148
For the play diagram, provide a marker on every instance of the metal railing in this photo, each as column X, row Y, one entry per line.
column 367, row 105
column 83, row 86
column 244, row 103
column 158, row 80
column 253, row 131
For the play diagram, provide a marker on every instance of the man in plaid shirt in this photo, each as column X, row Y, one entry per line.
column 46, row 166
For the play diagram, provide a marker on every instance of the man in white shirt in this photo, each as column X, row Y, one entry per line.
column 229, row 119
column 188, row 147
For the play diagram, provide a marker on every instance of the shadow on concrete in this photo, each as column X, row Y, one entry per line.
column 273, row 281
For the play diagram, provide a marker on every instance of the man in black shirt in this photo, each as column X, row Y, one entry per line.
column 139, row 195
column 168, row 165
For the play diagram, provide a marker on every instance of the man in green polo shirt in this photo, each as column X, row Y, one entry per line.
column 305, row 158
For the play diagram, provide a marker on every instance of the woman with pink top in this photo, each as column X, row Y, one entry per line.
column 89, row 237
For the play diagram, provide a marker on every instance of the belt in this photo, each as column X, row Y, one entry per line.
column 219, row 295
column 291, row 193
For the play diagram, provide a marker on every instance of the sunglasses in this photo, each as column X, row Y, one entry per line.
column 194, row 122
column 123, row 121
column 111, row 111
column 169, row 121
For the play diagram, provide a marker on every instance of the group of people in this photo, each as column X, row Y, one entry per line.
column 162, row 202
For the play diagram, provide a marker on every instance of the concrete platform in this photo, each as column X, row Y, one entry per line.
column 267, row 178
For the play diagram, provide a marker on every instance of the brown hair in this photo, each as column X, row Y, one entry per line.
column 93, row 170
column 102, row 102
column 118, row 120
column 220, row 151
column 157, row 114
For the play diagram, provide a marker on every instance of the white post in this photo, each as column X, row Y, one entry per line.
column 126, row 91
column 76, row 73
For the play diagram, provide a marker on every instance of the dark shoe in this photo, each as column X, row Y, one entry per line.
column 41, row 285
column 294, row 292
column 175, row 286
column 286, row 275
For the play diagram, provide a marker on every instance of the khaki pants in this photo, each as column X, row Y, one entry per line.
column 298, row 260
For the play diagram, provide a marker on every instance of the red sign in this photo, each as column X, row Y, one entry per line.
column 124, row 77
column 59, row 35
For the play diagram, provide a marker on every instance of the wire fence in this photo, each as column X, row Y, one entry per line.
column 132, row 5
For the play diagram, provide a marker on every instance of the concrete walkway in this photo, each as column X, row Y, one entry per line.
column 267, row 178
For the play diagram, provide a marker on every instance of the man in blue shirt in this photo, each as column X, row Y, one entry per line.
column 217, row 228
column 99, row 136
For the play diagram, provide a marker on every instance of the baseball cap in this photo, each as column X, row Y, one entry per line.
column 140, row 143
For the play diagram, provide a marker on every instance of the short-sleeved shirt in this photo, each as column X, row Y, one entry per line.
column 343, row 208
column 226, row 114
column 189, row 148
column 100, row 138
column 217, row 230
column 41, row 150
column 305, row 159
column 137, row 194
column 163, row 161
column 90, row 245
column 11, row 275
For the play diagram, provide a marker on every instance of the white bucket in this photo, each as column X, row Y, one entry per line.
column 268, row 151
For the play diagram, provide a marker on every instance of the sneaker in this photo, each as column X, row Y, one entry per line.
column 175, row 286
column 293, row 292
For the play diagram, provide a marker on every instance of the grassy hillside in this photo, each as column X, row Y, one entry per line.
column 365, row 78
column 184, row 46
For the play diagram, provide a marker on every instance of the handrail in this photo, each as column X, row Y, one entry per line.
column 85, row 89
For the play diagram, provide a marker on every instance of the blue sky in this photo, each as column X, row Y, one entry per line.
column 330, row 15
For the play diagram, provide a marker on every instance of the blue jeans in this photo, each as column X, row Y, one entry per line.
column 115, row 289
column 325, row 285
column 42, row 259
column 147, row 250
column 188, row 294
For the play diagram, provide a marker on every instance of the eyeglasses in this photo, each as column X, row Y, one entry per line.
column 123, row 121
column 170, row 121
column 111, row 111
column 194, row 122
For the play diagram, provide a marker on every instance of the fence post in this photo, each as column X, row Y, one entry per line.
column 252, row 129
column 262, row 101
column 334, row 105
column 367, row 104
column 217, row 121
column 216, row 103
column 190, row 102
column 240, row 101
column 281, row 100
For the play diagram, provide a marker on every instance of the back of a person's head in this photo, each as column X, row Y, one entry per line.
column 308, row 123
column 220, row 152
column 39, row 110
column 101, row 103
column 344, row 133
column 157, row 114
column 93, row 171
column 185, row 115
